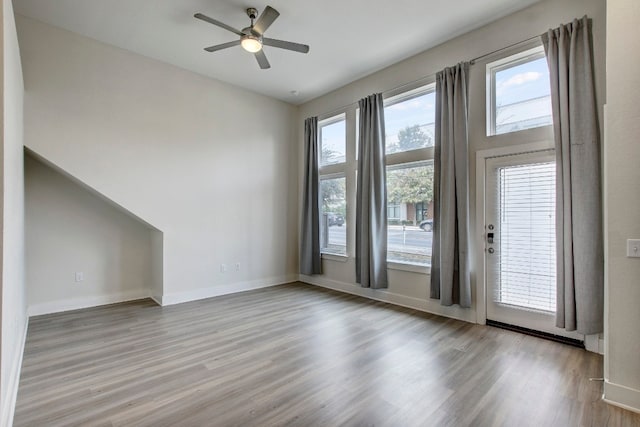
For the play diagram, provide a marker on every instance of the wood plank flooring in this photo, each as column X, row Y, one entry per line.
column 299, row 355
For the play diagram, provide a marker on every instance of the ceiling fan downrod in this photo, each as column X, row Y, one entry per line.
column 252, row 12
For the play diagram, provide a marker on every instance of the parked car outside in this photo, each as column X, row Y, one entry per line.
column 426, row 225
column 335, row 219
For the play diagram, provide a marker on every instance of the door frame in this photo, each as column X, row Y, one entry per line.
column 593, row 343
column 481, row 267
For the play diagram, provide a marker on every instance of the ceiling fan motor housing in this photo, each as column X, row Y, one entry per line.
column 252, row 12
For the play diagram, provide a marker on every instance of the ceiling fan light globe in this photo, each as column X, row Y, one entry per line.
column 251, row 44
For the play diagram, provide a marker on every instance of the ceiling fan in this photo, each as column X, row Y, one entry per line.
column 251, row 37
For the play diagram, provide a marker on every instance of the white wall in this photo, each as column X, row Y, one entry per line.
column 157, row 265
column 210, row 165
column 622, row 202
column 14, row 310
column 69, row 230
column 410, row 288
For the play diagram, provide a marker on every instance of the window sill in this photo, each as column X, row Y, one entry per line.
column 413, row 268
column 335, row 257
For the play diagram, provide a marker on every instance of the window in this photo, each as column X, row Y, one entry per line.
column 409, row 121
column 409, row 189
column 526, row 266
column 410, row 125
column 393, row 211
column 333, row 208
column 332, row 140
column 518, row 93
column 422, row 211
column 333, row 200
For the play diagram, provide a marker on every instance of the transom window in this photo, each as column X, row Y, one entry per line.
column 409, row 120
column 518, row 93
column 332, row 137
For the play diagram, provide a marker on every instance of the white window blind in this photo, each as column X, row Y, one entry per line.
column 526, row 237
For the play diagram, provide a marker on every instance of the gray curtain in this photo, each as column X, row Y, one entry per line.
column 580, row 260
column 371, row 196
column 450, row 275
column 310, row 260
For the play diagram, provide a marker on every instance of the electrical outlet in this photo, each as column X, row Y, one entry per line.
column 237, row 266
column 79, row 276
column 223, row 268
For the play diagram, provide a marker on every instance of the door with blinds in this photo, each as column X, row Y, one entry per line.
column 520, row 244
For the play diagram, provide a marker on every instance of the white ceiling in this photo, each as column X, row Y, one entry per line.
column 349, row 39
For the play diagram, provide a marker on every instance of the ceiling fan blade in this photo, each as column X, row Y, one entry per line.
column 262, row 59
column 265, row 20
column 222, row 46
column 296, row 47
column 205, row 18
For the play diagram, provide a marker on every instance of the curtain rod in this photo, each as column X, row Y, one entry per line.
column 473, row 61
column 430, row 76
column 393, row 89
column 385, row 92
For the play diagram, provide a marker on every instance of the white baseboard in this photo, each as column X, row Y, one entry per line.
column 619, row 395
column 78, row 303
column 214, row 291
column 9, row 404
column 425, row 305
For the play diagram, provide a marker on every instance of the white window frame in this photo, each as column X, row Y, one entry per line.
column 324, row 178
column 493, row 68
column 340, row 117
column 332, row 171
column 406, row 159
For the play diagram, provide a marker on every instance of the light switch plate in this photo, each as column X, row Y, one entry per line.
column 633, row 248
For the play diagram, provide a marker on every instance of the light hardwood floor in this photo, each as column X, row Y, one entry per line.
column 301, row 356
